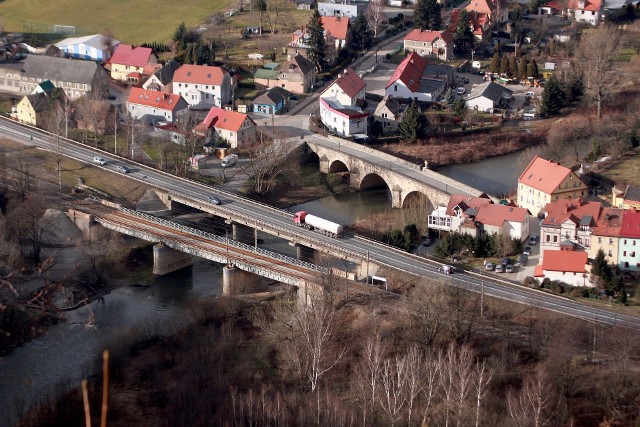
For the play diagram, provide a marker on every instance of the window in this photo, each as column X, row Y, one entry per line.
column 625, row 241
column 610, row 241
column 633, row 254
column 599, row 239
column 624, row 253
column 609, row 253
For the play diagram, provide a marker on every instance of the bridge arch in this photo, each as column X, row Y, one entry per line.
column 338, row 166
column 372, row 180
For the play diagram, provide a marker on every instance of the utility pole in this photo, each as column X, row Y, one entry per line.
column 255, row 236
column 115, row 131
column 367, row 267
column 482, row 299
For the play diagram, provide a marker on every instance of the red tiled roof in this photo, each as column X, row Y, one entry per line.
column 481, row 6
column 337, row 26
column 630, row 224
column 478, row 20
column 537, row 272
column 222, row 119
column 609, row 223
column 428, row 36
column 199, row 74
column 568, row 261
column 349, row 82
column 465, row 202
column 492, row 214
column 590, row 5
column 409, row 72
column 572, row 209
column 126, row 54
column 155, row 99
column 544, row 175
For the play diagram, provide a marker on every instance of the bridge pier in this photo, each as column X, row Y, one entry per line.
column 396, row 197
column 166, row 199
column 299, row 251
column 84, row 221
column 238, row 282
column 167, row 260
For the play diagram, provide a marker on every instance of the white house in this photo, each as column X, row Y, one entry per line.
column 150, row 106
column 587, row 11
column 564, row 266
column 350, row 10
column 488, row 96
column 388, row 114
column 410, row 82
column 93, row 47
column 430, row 43
column 340, row 105
column 501, row 219
column 453, row 216
column 237, row 129
column 163, row 78
column 202, row 86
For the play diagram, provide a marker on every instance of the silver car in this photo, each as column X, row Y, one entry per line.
column 99, row 160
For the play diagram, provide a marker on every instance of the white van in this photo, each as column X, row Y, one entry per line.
column 230, row 160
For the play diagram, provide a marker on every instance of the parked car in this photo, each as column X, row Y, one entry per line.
column 508, row 268
column 533, row 240
column 427, row 242
column 505, row 261
column 294, row 98
column 523, row 259
column 461, row 90
column 215, row 200
column 499, row 268
column 99, row 160
column 527, row 251
column 489, row 266
column 122, row 169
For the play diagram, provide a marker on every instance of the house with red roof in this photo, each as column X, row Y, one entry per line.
column 564, row 266
column 629, row 242
column 341, row 105
column 438, row 44
column 203, row 86
column 586, row 11
column 496, row 11
column 339, row 28
column 545, row 181
column 569, row 223
column 606, row 234
column 299, row 45
column 237, row 129
column 629, row 198
column 150, row 106
column 130, row 63
column 412, row 81
column 479, row 22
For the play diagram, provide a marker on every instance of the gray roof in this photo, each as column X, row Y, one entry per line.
column 94, row 40
column 632, row 193
column 438, row 70
column 391, row 103
column 59, row 69
column 430, row 85
column 490, row 90
column 303, row 63
column 586, row 220
column 165, row 74
column 272, row 97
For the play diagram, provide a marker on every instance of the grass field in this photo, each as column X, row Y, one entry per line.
column 627, row 169
column 132, row 22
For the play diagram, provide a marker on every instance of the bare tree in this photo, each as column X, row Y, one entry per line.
column 108, row 41
column 102, row 253
column 430, row 382
column 597, row 53
column 393, row 396
column 414, row 363
column 375, row 16
column 482, row 380
column 368, row 372
column 267, row 162
column 273, row 13
column 533, row 405
column 93, row 115
column 426, row 318
column 20, row 177
column 27, row 226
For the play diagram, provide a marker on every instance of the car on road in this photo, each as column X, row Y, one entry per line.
column 99, row 160
column 489, row 266
column 533, row 240
column 527, row 251
column 508, row 268
column 215, row 200
column 499, row 268
column 531, row 94
column 446, row 269
column 461, row 90
column 294, row 98
column 122, row 169
column 523, row 260
column 427, row 242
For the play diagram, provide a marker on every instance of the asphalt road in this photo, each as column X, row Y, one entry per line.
column 377, row 252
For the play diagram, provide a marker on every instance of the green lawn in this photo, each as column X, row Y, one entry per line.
column 132, row 22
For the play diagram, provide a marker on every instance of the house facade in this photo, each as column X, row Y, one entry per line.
column 162, row 80
column 340, row 105
column 149, row 106
column 388, row 114
column 203, row 86
column 299, row 45
column 339, row 28
column 629, row 198
column 348, row 10
column 564, row 266
column 438, row 44
column 452, row 217
column 544, row 181
column 488, row 96
column 237, row 129
column 606, row 235
column 129, row 63
column 297, row 75
column 569, row 225
column 409, row 82
column 33, row 109
column 94, row 47
column 629, row 243
column 586, row 11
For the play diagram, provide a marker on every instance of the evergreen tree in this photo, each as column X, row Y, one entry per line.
column 463, row 37
column 522, row 68
column 599, row 267
column 317, row 46
column 552, row 98
column 449, row 98
column 261, row 5
column 504, row 64
column 513, row 67
column 362, row 36
column 413, row 125
column 427, row 15
column 460, row 107
column 494, row 67
column 533, row 68
column 179, row 37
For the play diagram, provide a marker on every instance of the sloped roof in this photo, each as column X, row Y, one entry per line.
column 590, row 5
column 496, row 215
column 299, row 62
column 60, row 69
column 409, row 72
column 575, row 210
column 273, row 96
column 350, row 111
column 337, row 26
column 349, row 82
column 632, row 193
column 262, row 73
column 200, row 74
column 390, row 103
column 223, row 119
column 610, row 223
column 544, row 175
column 155, row 99
column 137, row 56
column 429, row 36
column 481, row 6
column 567, row 261
column 490, row 90
column 630, row 224
column 93, row 40
column 165, row 74
column 465, row 202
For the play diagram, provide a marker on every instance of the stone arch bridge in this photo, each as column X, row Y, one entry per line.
column 368, row 169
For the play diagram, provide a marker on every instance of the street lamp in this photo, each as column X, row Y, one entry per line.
column 472, row 52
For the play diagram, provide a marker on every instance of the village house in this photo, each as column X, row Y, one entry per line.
column 130, row 63
column 488, row 96
column 496, row 11
column 162, row 80
column 606, row 234
column 348, row 10
column 297, row 75
column 340, row 105
column 586, row 11
column 478, row 22
column 410, row 82
column 203, row 86
column 629, row 198
column 306, row 4
column 35, row 109
column 568, row 224
column 299, row 45
column 150, row 106
column 629, row 242
column 237, row 129
column 438, row 44
column 388, row 114
column 93, row 47
column 544, row 181
column 339, row 28
column 274, row 101
column 564, row 266
column 450, row 218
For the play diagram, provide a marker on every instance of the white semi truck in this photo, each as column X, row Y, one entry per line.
column 313, row 222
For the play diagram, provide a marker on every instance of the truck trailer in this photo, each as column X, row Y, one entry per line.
column 312, row 222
